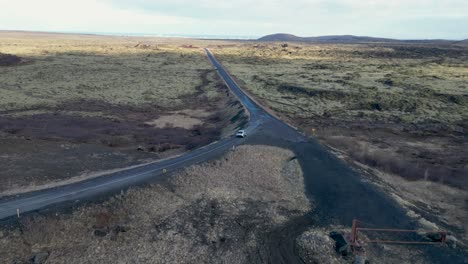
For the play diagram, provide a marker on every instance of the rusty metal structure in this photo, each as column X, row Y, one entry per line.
column 438, row 236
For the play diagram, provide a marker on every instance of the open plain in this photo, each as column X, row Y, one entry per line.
column 398, row 112
column 272, row 200
column 77, row 106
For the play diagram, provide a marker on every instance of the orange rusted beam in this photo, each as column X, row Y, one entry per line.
column 398, row 230
column 402, row 242
column 354, row 232
column 356, row 229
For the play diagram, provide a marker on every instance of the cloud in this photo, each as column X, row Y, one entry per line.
column 385, row 18
column 83, row 15
column 280, row 8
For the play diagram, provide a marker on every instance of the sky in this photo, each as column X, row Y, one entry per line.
column 403, row 19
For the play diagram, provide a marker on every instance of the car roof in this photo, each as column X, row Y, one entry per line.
column 242, row 130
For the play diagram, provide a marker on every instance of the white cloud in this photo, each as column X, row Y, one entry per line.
column 83, row 15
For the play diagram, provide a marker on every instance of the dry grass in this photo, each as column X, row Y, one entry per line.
column 210, row 213
column 316, row 246
column 447, row 203
column 114, row 70
column 402, row 110
column 404, row 102
column 314, row 80
column 83, row 104
column 175, row 120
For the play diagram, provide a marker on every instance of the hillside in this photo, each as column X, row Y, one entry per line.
column 282, row 37
column 324, row 39
column 343, row 39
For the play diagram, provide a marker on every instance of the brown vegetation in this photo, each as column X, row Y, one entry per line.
column 316, row 246
column 398, row 109
column 220, row 211
column 403, row 104
column 86, row 104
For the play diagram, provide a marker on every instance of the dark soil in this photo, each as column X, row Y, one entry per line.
column 393, row 155
column 296, row 90
column 55, row 144
column 27, row 162
column 389, row 137
column 113, row 133
column 412, row 51
column 9, row 59
column 339, row 196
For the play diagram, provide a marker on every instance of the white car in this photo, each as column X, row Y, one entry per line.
column 241, row 133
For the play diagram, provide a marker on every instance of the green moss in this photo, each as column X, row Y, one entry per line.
column 407, row 82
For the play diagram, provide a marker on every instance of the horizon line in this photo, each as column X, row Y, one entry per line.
column 207, row 36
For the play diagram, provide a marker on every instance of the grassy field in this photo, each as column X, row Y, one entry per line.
column 417, row 95
column 397, row 111
column 236, row 209
column 217, row 212
column 77, row 105
column 414, row 84
column 124, row 71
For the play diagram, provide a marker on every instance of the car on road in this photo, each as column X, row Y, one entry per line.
column 241, row 133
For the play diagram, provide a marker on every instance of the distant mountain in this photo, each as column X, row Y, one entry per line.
column 347, row 39
column 324, row 39
column 282, row 37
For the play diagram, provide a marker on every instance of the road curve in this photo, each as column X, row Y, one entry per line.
column 338, row 193
column 115, row 182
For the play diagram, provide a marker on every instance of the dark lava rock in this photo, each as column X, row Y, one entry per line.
column 100, row 232
column 435, row 237
column 120, row 228
column 376, row 106
column 387, row 81
column 9, row 60
column 360, row 259
column 116, row 230
column 17, row 261
column 341, row 245
column 39, row 258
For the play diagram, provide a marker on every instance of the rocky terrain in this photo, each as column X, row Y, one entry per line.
column 397, row 112
column 76, row 106
column 220, row 211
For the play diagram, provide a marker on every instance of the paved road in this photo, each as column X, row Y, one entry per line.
column 337, row 192
column 115, row 182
